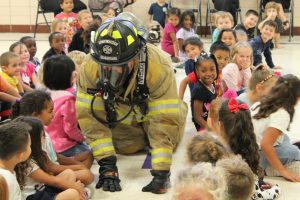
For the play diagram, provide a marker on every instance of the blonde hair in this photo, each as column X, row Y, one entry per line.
column 55, row 23
column 239, row 177
column 6, row 56
column 203, row 176
column 77, row 57
column 270, row 5
column 82, row 12
column 222, row 14
column 205, row 148
column 237, row 47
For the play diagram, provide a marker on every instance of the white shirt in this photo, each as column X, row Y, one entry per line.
column 12, row 183
column 279, row 120
column 184, row 34
column 30, row 184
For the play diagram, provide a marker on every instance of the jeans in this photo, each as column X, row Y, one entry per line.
column 286, row 153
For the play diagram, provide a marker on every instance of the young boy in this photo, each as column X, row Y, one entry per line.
column 249, row 23
column 224, row 20
column 158, row 12
column 57, row 43
column 222, row 54
column 14, row 148
column 10, row 70
column 69, row 17
column 261, row 44
column 85, row 20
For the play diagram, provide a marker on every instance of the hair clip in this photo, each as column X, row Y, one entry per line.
column 267, row 78
column 234, row 106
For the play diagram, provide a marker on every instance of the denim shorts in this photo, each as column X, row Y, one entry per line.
column 77, row 149
column 286, row 153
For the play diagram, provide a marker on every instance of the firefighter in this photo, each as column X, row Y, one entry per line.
column 126, row 100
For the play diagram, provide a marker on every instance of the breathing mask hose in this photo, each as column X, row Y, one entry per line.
column 110, row 123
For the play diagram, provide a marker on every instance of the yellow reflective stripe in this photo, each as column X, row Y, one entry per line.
column 161, row 155
column 104, row 32
column 135, row 31
column 84, row 100
column 161, row 150
column 116, row 34
column 100, row 141
column 103, row 150
column 161, row 160
column 162, row 102
column 101, row 146
column 130, row 40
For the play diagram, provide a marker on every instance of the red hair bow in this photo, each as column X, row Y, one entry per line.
column 234, row 106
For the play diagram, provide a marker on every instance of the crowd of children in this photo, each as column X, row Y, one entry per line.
column 245, row 107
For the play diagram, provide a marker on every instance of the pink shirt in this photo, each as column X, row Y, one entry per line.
column 63, row 129
column 167, row 43
column 234, row 78
column 27, row 72
column 72, row 24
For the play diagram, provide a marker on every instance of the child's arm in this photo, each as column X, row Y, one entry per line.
column 182, row 87
column 198, row 107
column 8, row 97
column 180, row 43
column 26, row 87
column 268, row 140
column 270, row 17
column 268, row 57
column 175, row 43
column 70, row 122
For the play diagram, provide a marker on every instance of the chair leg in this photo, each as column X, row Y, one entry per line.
column 47, row 23
column 210, row 25
column 36, row 22
column 206, row 22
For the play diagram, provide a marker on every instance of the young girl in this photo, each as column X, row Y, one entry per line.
column 37, row 178
column 260, row 84
column 272, row 10
column 187, row 21
column 31, row 46
column 193, row 48
column 204, row 91
column 27, row 72
column 236, row 130
column 59, row 75
column 236, row 74
column 69, row 17
column 169, row 42
column 59, row 25
column 39, row 104
column 271, row 118
column 228, row 36
column 14, row 148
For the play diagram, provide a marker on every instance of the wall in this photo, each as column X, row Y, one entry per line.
column 20, row 15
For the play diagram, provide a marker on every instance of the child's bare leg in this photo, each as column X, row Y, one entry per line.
column 282, row 16
column 69, row 194
column 68, row 175
column 85, row 176
column 277, row 40
column 86, row 158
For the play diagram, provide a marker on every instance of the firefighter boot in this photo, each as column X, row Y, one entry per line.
column 108, row 175
column 160, row 182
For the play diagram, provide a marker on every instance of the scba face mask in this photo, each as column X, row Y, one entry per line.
column 114, row 77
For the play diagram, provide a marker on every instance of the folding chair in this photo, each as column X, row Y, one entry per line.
column 289, row 10
column 40, row 10
column 211, row 10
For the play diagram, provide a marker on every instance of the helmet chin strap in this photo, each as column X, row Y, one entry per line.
column 107, row 93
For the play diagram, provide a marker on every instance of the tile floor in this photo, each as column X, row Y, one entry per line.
column 133, row 177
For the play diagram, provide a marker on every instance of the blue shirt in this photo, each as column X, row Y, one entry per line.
column 159, row 13
column 260, row 47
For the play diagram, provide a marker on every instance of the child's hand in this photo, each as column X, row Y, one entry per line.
column 289, row 175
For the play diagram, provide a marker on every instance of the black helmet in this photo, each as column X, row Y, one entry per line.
column 116, row 42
